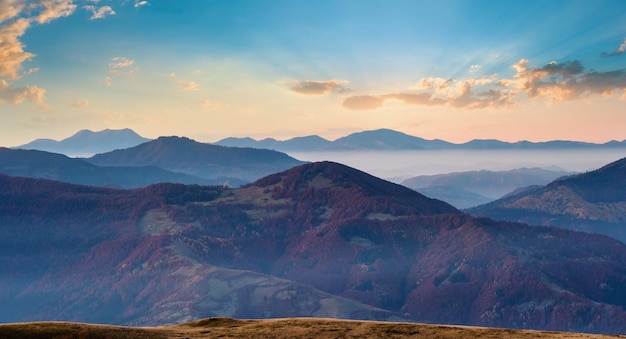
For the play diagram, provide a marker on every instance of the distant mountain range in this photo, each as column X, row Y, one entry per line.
column 590, row 202
column 86, row 143
column 386, row 139
column 167, row 159
column 319, row 239
column 45, row 165
column 207, row 161
column 473, row 188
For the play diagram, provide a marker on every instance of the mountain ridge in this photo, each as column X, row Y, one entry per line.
column 387, row 139
column 594, row 201
column 86, row 142
column 116, row 255
column 184, row 155
column 473, row 188
column 53, row 166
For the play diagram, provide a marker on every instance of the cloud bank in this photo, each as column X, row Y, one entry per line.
column 555, row 82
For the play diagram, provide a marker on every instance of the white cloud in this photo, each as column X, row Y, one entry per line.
column 121, row 66
column 475, row 68
column 99, row 13
column 140, row 3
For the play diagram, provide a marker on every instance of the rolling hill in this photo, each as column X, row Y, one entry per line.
column 592, row 202
column 207, row 161
column 44, row 165
column 319, row 239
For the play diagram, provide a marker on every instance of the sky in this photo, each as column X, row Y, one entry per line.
column 207, row 69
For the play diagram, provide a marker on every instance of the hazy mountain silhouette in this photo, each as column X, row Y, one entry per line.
column 40, row 164
column 473, row 188
column 308, row 143
column 208, row 161
column 87, row 143
column 386, row 139
column 317, row 239
column 593, row 202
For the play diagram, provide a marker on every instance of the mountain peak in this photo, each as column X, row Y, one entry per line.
column 184, row 155
column 87, row 142
column 330, row 176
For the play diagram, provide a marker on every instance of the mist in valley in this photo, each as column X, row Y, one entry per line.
column 399, row 165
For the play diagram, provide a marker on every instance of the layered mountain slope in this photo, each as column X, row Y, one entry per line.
column 473, row 188
column 87, row 143
column 203, row 160
column 39, row 164
column 80, row 253
column 318, row 239
column 591, row 202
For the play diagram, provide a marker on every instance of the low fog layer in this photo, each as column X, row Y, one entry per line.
column 399, row 165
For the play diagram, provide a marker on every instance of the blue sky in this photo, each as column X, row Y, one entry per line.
column 454, row 70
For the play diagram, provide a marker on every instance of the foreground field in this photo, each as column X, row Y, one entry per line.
column 275, row 328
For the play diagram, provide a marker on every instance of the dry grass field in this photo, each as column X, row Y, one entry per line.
column 274, row 328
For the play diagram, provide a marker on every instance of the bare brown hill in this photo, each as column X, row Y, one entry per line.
column 318, row 240
column 278, row 328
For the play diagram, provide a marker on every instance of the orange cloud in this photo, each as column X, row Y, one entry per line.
column 16, row 16
column 312, row 87
column 11, row 49
column 556, row 82
column 363, row 102
column 53, row 9
column 17, row 95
